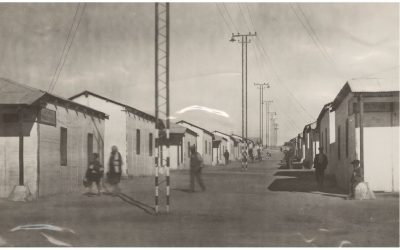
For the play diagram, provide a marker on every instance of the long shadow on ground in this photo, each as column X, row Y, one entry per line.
column 303, row 181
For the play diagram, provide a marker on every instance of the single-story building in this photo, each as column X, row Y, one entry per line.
column 181, row 139
column 311, row 144
column 219, row 147
column 204, row 141
column 326, row 135
column 46, row 142
column 366, row 125
column 131, row 130
column 230, row 144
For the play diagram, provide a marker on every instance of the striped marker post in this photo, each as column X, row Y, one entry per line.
column 167, row 172
column 156, row 177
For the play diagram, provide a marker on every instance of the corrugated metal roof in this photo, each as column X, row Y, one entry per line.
column 176, row 129
column 375, row 86
column 17, row 94
column 13, row 93
column 372, row 85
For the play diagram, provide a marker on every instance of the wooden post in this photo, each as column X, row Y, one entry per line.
column 361, row 110
column 21, row 147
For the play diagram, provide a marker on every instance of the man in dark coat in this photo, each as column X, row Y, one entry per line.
column 196, row 165
column 226, row 155
column 320, row 164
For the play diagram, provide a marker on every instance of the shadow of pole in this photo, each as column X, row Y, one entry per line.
column 146, row 208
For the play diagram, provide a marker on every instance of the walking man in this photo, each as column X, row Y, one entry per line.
column 196, row 165
column 226, row 155
column 320, row 164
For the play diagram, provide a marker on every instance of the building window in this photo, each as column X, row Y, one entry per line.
column 347, row 138
column 137, row 141
column 90, row 147
column 151, row 144
column 332, row 125
column 209, row 147
column 322, row 138
column 326, row 140
column 205, row 144
column 338, row 141
column 182, row 152
column 63, row 146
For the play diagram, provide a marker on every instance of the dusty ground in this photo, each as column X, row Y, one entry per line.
column 265, row 206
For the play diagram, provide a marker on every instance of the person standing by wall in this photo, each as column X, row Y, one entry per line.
column 226, row 155
column 115, row 170
column 320, row 164
column 356, row 177
column 196, row 165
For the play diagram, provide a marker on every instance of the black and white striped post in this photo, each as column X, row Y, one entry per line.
column 167, row 189
column 156, row 177
column 162, row 98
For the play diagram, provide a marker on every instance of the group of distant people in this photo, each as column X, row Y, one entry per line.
column 248, row 154
column 95, row 173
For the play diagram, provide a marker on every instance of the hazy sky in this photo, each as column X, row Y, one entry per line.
column 113, row 54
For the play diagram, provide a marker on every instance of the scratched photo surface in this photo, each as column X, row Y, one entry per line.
column 199, row 124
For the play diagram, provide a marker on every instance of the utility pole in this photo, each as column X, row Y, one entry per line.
column 272, row 128
column 162, row 97
column 244, row 40
column 276, row 133
column 261, row 87
column 267, row 130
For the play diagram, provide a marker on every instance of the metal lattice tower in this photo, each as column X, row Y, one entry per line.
column 162, row 96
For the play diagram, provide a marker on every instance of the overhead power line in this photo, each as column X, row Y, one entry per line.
column 65, row 46
column 313, row 35
column 68, row 44
column 224, row 19
column 230, row 17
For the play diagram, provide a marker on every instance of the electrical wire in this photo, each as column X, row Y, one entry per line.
column 65, row 46
column 69, row 47
column 230, row 17
column 223, row 18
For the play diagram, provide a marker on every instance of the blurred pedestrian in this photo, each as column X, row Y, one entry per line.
column 196, row 166
column 320, row 164
column 245, row 157
column 259, row 153
column 115, row 170
column 251, row 156
column 226, row 155
column 93, row 174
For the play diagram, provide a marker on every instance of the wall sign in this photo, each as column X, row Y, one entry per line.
column 48, row 117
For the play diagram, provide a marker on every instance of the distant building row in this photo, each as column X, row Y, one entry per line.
column 362, row 123
column 46, row 141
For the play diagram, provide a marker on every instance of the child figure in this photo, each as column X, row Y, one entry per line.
column 94, row 173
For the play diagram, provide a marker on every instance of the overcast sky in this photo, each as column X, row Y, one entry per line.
column 306, row 52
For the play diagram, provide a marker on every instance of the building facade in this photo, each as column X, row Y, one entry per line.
column 130, row 129
column 58, row 140
column 204, row 141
